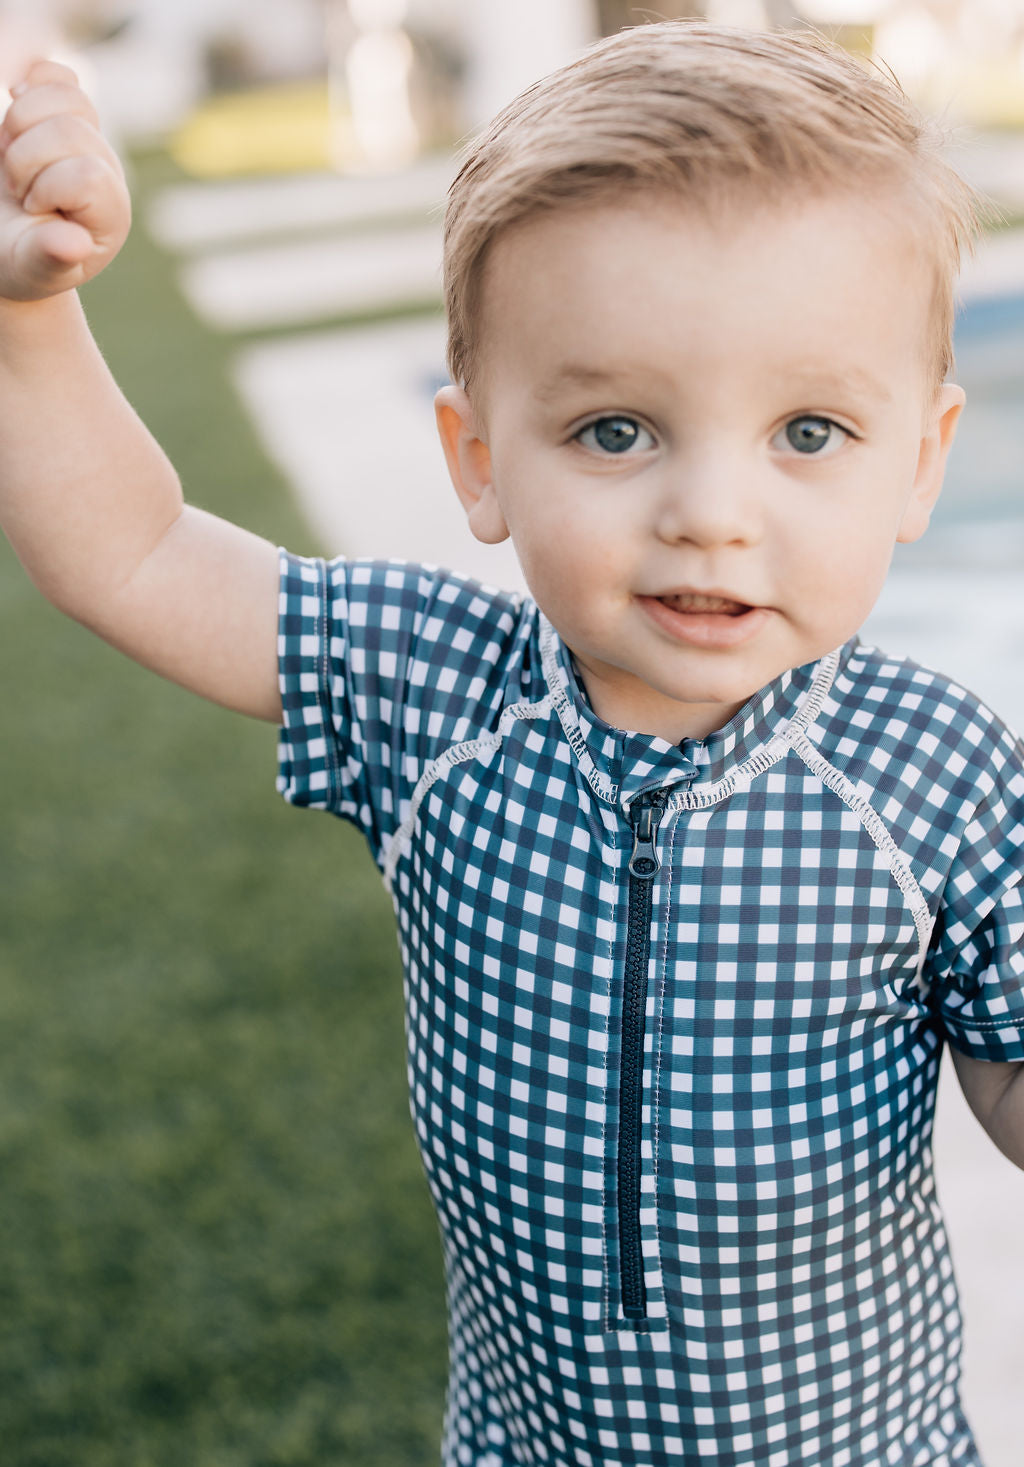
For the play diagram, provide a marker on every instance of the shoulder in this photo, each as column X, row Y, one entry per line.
column 897, row 713
column 402, row 590
column 384, row 665
column 399, row 606
column 391, row 642
column 940, row 769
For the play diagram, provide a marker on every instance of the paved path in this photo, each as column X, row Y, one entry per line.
column 191, row 217
column 348, row 416
column 250, row 261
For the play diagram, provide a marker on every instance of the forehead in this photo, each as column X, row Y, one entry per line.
column 652, row 287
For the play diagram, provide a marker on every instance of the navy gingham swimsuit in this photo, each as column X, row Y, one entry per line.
column 675, row 1017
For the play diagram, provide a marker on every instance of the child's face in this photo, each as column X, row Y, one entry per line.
column 704, row 437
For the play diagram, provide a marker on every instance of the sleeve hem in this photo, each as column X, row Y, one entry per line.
column 309, row 772
column 988, row 1039
column 323, row 685
column 982, row 1025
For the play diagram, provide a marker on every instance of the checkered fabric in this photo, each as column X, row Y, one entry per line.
column 840, row 890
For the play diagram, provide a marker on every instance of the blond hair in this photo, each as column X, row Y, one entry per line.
column 703, row 112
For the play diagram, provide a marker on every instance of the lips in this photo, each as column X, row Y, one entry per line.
column 695, row 602
column 705, row 619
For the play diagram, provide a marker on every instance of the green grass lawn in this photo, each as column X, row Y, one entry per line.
column 216, row 1246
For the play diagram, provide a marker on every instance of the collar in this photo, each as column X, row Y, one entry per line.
column 619, row 764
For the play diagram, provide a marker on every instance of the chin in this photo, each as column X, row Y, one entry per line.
column 718, row 692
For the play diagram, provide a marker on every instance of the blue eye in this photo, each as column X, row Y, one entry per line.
column 813, row 435
column 614, row 434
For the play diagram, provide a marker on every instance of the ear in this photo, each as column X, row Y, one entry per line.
column 931, row 463
column 469, row 464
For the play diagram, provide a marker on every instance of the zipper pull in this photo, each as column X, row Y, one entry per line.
column 645, row 817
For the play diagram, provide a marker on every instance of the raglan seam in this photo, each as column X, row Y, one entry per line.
column 454, row 755
column 873, row 823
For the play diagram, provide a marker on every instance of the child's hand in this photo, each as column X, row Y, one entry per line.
column 64, row 206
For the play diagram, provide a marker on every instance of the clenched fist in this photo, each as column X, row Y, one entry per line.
column 64, row 206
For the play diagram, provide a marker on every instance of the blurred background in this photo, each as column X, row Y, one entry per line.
column 216, row 1245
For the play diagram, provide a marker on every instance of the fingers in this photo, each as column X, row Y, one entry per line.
column 46, row 100
column 84, row 190
column 55, row 160
column 58, row 139
column 50, row 256
column 49, row 117
column 46, row 88
column 64, row 205
column 39, row 72
column 52, row 246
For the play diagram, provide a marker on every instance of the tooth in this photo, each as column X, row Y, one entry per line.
column 702, row 603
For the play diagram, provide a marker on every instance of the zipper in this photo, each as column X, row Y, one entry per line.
column 645, row 815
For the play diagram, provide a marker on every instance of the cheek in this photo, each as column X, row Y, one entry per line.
column 565, row 551
column 572, row 571
column 551, row 523
column 851, row 568
column 851, row 524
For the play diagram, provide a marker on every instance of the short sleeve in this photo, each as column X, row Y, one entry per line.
column 382, row 664
column 976, row 965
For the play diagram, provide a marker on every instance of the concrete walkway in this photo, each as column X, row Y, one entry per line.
column 250, row 263
column 191, row 217
column 347, row 414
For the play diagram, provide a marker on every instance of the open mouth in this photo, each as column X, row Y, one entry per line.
column 700, row 620
column 694, row 604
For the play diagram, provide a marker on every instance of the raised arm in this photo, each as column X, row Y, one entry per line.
column 88, row 499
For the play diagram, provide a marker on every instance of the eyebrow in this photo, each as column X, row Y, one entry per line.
column 852, row 380
column 578, row 374
column 809, row 378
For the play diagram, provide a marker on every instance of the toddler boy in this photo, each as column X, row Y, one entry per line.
column 691, row 886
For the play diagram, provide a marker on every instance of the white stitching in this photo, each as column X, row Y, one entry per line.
column 323, row 684
column 455, row 754
column 692, row 799
column 776, row 748
column 562, row 705
column 876, row 829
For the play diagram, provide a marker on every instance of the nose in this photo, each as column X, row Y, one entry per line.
column 708, row 500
